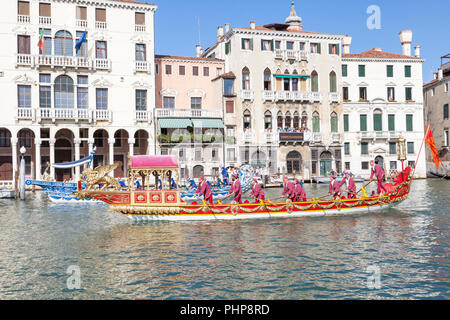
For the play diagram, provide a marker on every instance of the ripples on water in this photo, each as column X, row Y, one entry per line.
column 298, row 258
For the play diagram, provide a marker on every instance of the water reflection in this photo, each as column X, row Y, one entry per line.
column 298, row 258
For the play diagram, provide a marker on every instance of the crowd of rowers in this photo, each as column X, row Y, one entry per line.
column 294, row 190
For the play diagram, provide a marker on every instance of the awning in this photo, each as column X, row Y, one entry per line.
column 175, row 123
column 154, row 162
column 208, row 123
column 290, row 76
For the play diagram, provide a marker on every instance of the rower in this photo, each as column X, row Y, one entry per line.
column 204, row 190
column 289, row 189
column 351, row 186
column 335, row 187
column 300, row 194
column 257, row 191
column 192, row 184
column 236, row 189
column 378, row 172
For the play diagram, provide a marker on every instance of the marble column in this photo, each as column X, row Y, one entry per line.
column 52, row 157
column 150, row 146
column 37, row 143
column 111, row 142
column 14, row 157
column 131, row 143
column 77, row 143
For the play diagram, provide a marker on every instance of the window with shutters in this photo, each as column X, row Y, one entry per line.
column 100, row 15
column 45, row 10
column 168, row 69
column 23, row 44
column 139, row 18
column 229, row 106
column 247, row 44
column 345, row 93
column 392, row 148
column 315, row 48
column 347, row 148
column 195, row 71
column 182, row 70
column 409, row 122
column 391, row 122
column 334, row 122
column 314, row 81
column 391, row 94
column 361, row 70
column 346, row 124
column 377, row 120
column 333, row 48
column 446, row 111
column 23, row 8
column 363, row 93
column 344, row 70
column 363, row 122
column 316, row 122
column 333, row 82
column 227, row 47
column 81, row 13
column 389, row 71
column 408, row 94
column 266, row 45
column 410, row 147
column 407, row 71
column 364, row 148
column 206, row 71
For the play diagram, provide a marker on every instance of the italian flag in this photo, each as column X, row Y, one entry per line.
column 41, row 43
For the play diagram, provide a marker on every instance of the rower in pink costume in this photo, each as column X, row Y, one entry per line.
column 236, row 189
column 378, row 172
column 351, row 186
column 257, row 191
column 204, row 190
column 335, row 187
column 289, row 189
column 300, row 194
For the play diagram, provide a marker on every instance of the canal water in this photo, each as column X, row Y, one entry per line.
column 399, row 253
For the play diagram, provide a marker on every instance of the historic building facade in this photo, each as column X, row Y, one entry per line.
column 59, row 99
column 188, row 121
column 382, row 95
column 437, row 100
column 281, row 95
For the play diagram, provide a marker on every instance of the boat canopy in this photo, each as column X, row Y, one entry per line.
column 154, row 162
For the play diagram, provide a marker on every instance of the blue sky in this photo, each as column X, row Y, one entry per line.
column 177, row 29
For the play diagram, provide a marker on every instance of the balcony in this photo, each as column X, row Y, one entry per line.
column 247, row 94
column 249, row 136
column 291, row 137
column 63, row 61
column 24, row 60
column 25, row 114
column 316, row 97
column 291, row 55
column 139, row 28
column 334, row 97
column 64, row 114
column 271, row 137
column 381, row 135
column 317, row 137
column 82, row 23
column 268, row 95
column 142, row 66
column 23, row 19
column 292, row 96
column 102, row 64
column 365, row 135
column 143, row 116
column 187, row 113
column 45, row 20
column 101, row 25
column 394, row 135
column 102, row 115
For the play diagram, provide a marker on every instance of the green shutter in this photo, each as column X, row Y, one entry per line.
column 262, row 44
column 334, row 124
column 408, row 94
column 364, row 148
column 344, row 70
column 242, row 44
column 377, row 122
column 391, row 122
column 446, row 111
column 337, row 49
column 362, row 70
column 346, row 122
column 227, row 47
column 315, row 83
column 363, row 122
column 411, row 147
column 392, row 148
column 330, row 48
column 316, row 124
column 409, row 122
column 318, row 48
column 346, row 148
column 251, row 44
column 390, row 71
column 271, row 45
column 408, row 71
column 333, row 87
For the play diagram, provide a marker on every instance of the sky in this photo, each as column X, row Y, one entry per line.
column 181, row 24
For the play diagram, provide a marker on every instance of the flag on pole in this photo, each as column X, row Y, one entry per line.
column 80, row 42
column 41, row 43
column 430, row 142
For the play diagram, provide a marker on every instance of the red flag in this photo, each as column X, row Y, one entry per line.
column 41, row 43
column 430, row 142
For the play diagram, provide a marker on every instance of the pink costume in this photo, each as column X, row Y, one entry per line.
column 257, row 192
column 205, row 191
column 289, row 191
column 300, row 194
column 236, row 189
column 335, row 188
column 351, row 188
column 379, row 174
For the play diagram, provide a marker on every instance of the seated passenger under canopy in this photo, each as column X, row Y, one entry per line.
column 163, row 169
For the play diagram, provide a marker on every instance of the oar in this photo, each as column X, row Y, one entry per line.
column 364, row 186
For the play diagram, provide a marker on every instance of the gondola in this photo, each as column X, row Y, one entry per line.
column 440, row 175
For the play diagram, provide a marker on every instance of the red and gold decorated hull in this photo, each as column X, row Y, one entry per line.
column 167, row 205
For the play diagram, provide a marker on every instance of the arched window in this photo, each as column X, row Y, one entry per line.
column 294, row 82
column 326, row 163
column 334, row 122
column 198, row 171
column 286, row 82
column 267, row 120
column 267, row 79
column 333, row 85
column 316, row 122
column 279, row 81
column 296, row 122
column 303, row 81
column 304, row 120
column 377, row 120
column 64, row 92
column 63, row 44
column 247, row 119
column 294, row 162
column 279, row 120
column 314, row 81
column 245, row 79
column 287, row 120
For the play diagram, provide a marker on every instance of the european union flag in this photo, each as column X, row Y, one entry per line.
column 80, row 42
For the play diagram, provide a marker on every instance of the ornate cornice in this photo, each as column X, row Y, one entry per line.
column 112, row 4
column 382, row 60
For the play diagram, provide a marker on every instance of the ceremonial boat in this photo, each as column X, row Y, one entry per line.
column 151, row 204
